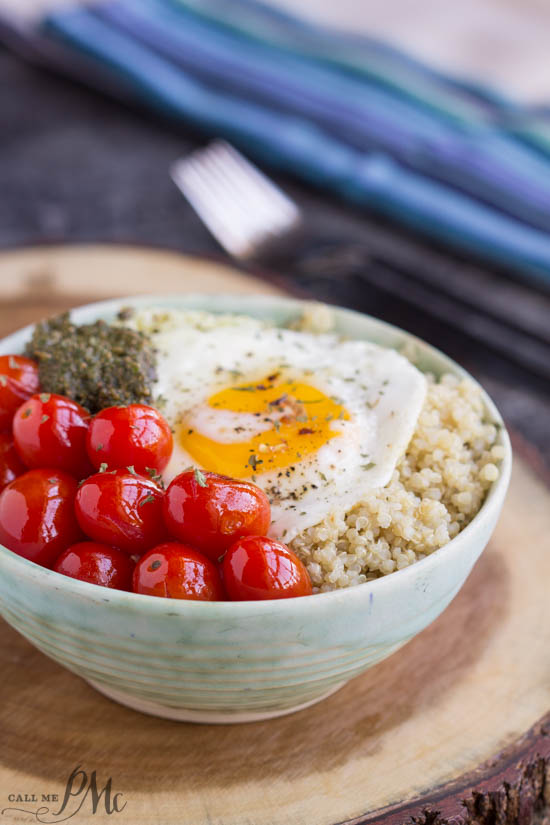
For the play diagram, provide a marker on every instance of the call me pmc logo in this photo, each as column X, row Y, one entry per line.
column 82, row 792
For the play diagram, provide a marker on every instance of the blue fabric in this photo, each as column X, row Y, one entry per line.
column 455, row 161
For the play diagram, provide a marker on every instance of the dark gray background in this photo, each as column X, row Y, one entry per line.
column 76, row 166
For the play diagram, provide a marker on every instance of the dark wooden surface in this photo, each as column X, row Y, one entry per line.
column 75, row 166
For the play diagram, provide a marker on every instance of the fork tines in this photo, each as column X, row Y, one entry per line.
column 242, row 208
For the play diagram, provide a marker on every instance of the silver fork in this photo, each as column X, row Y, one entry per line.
column 242, row 208
column 252, row 218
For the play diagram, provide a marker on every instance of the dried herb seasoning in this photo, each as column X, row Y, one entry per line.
column 98, row 365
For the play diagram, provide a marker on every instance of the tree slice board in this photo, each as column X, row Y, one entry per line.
column 450, row 729
column 43, row 280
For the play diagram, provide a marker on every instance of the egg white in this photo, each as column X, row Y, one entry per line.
column 200, row 354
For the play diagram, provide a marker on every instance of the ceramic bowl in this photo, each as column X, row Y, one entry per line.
column 241, row 661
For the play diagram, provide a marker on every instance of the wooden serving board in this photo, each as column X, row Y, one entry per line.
column 452, row 728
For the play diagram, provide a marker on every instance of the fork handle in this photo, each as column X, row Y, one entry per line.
column 455, row 293
column 314, row 258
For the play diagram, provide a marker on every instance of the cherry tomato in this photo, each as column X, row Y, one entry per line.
column 210, row 511
column 121, row 509
column 177, row 571
column 18, row 381
column 256, row 567
column 37, row 517
column 97, row 564
column 135, row 435
column 50, row 431
column 11, row 465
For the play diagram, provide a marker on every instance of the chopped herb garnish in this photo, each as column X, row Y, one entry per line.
column 147, row 500
column 45, row 397
column 254, row 461
column 103, row 467
column 26, row 412
column 200, row 478
column 44, row 418
column 99, row 447
column 131, row 469
column 368, row 466
column 13, row 365
column 3, row 380
column 156, row 564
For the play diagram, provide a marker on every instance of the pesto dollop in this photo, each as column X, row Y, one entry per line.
column 99, row 365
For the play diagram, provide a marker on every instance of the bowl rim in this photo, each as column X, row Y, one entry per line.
column 492, row 502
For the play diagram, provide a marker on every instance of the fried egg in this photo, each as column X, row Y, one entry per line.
column 316, row 421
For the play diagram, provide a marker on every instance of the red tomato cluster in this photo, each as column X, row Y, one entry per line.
column 83, row 495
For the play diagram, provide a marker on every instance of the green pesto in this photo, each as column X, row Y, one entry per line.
column 99, row 365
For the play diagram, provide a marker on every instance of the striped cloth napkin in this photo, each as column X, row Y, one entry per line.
column 449, row 158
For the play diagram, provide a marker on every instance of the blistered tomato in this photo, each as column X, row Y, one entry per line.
column 210, row 511
column 97, row 563
column 18, row 381
column 11, row 465
column 37, row 517
column 50, row 431
column 177, row 571
column 256, row 567
column 135, row 435
column 121, row 509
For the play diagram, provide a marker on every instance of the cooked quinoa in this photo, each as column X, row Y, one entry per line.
column 436, row 489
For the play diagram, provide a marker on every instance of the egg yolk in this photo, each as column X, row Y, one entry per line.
column 297, row 421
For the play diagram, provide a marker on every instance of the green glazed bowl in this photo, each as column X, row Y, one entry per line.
column 241, row 661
